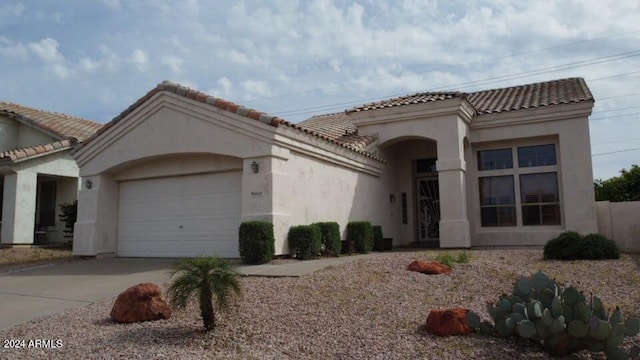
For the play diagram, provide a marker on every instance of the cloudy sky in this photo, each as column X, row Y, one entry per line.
column 301, row 58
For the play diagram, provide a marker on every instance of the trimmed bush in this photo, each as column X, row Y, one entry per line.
column 257, row 244
column 360, row 236
column 599, row 247
column 305, row 241
column 378, row 242
column 572, row 246
column 330, row 238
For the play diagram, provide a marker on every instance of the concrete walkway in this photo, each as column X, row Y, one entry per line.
column 298, row 268
column 49, row 289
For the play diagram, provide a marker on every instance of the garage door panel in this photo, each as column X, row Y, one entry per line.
column 180, row 216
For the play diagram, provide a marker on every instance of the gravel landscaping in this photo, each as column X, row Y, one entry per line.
column 368, row 309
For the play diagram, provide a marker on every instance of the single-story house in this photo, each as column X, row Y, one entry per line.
column 179, row 170
column 37, row 172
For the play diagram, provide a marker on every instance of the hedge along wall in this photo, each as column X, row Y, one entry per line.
column 256, row 242
column 360, row 235
column 305, row 241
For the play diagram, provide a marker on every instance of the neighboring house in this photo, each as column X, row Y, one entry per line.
column 178, row 171
column 37, row 172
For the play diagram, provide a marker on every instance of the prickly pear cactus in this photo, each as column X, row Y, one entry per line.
column 562, row 319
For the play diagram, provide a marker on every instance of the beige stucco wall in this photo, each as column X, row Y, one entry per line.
column 619, row 221
column 14, row 135
column 575, row 178
column 8, row 133
column 28, row 136
column 315, row 191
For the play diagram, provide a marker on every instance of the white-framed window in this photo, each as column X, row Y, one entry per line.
column 524, row 192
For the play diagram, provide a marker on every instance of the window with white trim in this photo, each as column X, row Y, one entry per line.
column 520, row 193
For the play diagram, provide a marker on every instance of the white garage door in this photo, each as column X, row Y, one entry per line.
column 180, row 216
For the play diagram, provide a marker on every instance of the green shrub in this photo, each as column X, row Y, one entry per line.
column 378, row 238
column 463, row 257
column 330, row 237
column 563, row 246
column 449, row 259
column 360, row 235
column 599, row 247
column 560, row 318
column 305, row 241
column 257, row 244
column 445, row 258
column 572, row 246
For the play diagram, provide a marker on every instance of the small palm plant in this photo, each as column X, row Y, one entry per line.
column 205, row 278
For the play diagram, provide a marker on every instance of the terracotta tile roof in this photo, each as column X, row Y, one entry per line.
column 541, row 94
column 60, row 126
column 406, row 100
column 340, row 128
column 223, row 105
column 547, row 93
column 35, row 151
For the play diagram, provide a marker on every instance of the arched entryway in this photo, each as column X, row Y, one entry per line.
column 412, row 181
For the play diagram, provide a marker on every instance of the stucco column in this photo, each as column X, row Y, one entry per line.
column 265, row 196
column 451, row 167
column 95, row 230
column 19, row 207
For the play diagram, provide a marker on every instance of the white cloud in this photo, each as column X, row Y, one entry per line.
column 9, row 49
column 140, row 59
column 88, row 65
column 113, row 4
column 46, row 49
column 12, row 10
column 172, row 62
column 224, row 88
column 255, row 88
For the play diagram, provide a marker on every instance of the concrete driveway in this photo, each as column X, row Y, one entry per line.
column 45, row 290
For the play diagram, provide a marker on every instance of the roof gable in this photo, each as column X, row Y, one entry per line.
column 173, row 88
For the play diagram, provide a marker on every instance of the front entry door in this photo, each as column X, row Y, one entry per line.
column 428, row 209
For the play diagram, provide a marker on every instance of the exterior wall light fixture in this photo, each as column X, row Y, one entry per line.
column 88, row 183
column 255, row 167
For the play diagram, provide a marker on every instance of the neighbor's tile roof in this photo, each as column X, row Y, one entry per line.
column 35, row 151
column 226, row 106
column 60, row 126
column 521, row 97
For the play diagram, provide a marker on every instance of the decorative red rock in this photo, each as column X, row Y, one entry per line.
column 448, row 322
column 142, row 302
column 433, row 267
